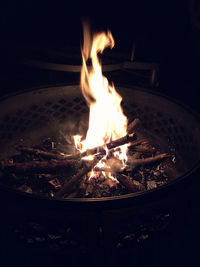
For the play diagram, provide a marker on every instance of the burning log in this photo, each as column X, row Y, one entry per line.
column 38, row 166
column 137, row 162
column 121, row 141
column 69, row 185
column 116, row 166
column 96, row 150
column 130, row 184
column 51, row 155
column 61, row 163
column 113, row 144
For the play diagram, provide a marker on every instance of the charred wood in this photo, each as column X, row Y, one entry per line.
column 143, row 148
column 72, row 182
column 141, row 142
column 101, row 149
column 138, row 162
column 133, row 125
column 42, row 153
column 130, row 184
column 39, row 166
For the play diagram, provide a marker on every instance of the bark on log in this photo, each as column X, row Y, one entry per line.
column 39, row 166
column 45, row 154
column 130, row 184
column 133, row 125
column 113, row 144
column 139, row 142
column 144, row 149
column 69, row 185
column 52, row 155
column 137, row 162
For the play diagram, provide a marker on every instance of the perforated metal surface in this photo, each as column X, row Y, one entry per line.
column 23, row 119
column 32, row 114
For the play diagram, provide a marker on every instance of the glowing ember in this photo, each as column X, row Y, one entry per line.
column 106, row 119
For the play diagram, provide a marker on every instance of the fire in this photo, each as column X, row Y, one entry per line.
column 106, row 119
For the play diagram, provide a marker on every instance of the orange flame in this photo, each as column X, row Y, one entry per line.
column 106, row 119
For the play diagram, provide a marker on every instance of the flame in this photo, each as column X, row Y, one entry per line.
column 106, row 119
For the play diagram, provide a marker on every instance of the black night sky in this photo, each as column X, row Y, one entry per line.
column 162, row 31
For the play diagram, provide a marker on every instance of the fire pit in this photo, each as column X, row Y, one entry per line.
column 54, row 111
column 109, row 147
column 60, row 200
column 174, row 127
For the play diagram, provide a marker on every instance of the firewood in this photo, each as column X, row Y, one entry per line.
column 100, row 149
column 74, row 180
column 138, row 142
column 111, row 183
column 42, row 153
column 38, row 166
column 83, row 185
column 130, row 184
column 133, row 125
column 144, row 149
column 137, row 162
column 113, row 144
column 89, row 189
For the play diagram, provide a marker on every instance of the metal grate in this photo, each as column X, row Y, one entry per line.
column 44, row 108
column 34, row 115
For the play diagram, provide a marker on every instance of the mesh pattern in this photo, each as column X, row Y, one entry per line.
column 35, row 115
column 60, row 105
column 163, row 125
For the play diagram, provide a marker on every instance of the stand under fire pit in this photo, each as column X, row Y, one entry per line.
column 91, row 227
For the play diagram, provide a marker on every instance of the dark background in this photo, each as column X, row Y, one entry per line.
column 165, row 32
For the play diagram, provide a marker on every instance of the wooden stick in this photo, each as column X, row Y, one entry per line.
column 139, row 142
column 100, row 149
column 137, row 162
column 45, row 154
column 39, row 166
column 50, row 155
column 83, row 186
column 130, row 184
column 134, row 124
column 144, row 149
column 113, row 144
column 69, row 185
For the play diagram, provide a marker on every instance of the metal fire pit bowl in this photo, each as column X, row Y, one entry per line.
column 89, row 231
column 30, row 115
